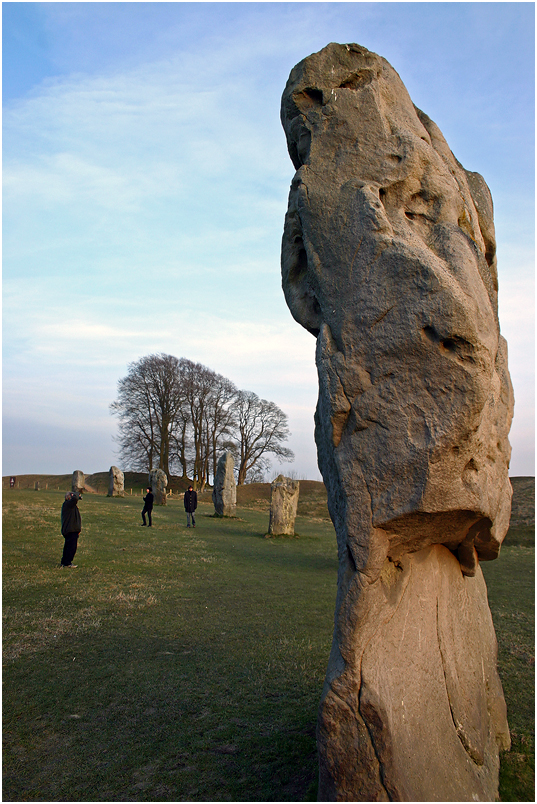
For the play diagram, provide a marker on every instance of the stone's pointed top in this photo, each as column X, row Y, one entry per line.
column 285, row 481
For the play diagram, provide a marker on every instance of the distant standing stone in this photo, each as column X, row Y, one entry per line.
column 78, row 482
column 158, row 482
column 283, row 504
column 225, row 489
column 116, row 482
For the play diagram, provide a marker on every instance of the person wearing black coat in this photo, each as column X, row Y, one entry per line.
column 71, row 527
column 191, row 503
column 148, row 507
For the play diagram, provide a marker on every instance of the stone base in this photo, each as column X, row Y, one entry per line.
column 413, row 708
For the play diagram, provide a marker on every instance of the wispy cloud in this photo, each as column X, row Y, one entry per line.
column 145, row 186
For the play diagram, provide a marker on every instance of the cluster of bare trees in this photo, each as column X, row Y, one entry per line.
column 180, row 416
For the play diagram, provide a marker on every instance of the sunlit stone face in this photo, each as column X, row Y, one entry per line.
column 388, row 258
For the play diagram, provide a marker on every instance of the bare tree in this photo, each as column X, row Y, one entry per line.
column 179, row 415
column 149, row 408
column 258, row 472
column 137, row 432
column 208, row 397
column 261, row 429
column 180, row 441
column 197, row 382
column 136, row 444
column 219, row 417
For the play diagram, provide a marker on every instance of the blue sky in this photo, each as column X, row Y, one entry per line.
column 145, row 187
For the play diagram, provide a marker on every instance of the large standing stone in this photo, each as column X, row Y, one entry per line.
column 158, row 482
column 116, row 482
column 78, row 481
column 224, row 489
column 283, row 504
column 388, row 259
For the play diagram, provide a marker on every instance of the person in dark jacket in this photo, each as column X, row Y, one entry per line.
column 148, row 506
column 71, row 527
column 191, row 503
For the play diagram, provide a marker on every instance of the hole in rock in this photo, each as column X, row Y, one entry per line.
column 459, row 346
column 490, row 252
column 300, row 265
column 309, row 98
column 431, row 333
column 357, row 80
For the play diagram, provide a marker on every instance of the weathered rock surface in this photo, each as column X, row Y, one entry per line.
column 225, row 489
column 388, row 259
column 158, row 482
column 284, row 494
column 116, row 482
column 78, row 481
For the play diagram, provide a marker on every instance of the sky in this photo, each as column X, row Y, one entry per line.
column 146, row 178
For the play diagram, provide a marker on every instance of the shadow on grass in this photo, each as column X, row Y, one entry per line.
column 138, row 718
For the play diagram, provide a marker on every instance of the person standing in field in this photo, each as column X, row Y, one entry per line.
column 71, row 527
column 191, row 503
column 148, row 507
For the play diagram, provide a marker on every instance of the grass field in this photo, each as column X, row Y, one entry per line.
column 187, row 665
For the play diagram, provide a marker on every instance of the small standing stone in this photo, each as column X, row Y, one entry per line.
column 78, row 482
column 116, row 482
column 225, row 490
column 283, row 504
column 158, row 482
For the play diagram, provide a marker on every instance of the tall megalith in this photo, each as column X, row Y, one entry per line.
column 158, row 481
column 78, row 481
column 388, row 259
column 224, row 488
column 283, row 506
column 116, row 482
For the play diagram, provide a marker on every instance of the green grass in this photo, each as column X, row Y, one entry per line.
column 521, row 536
column 173, row 664
column 187, row 665
column 511, row 585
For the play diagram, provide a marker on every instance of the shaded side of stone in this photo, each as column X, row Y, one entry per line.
column 224, row 494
